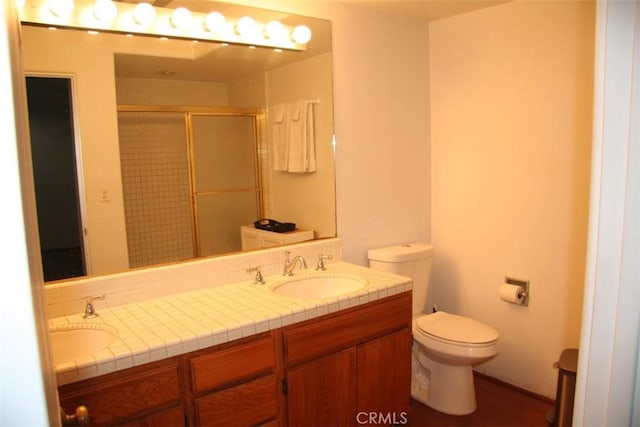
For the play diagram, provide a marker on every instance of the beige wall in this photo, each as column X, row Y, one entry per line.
column 511, row 96
column 171, row 92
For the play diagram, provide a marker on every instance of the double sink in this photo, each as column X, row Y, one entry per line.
column 80, row 340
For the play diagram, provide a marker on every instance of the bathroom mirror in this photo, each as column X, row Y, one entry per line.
column 112, row 75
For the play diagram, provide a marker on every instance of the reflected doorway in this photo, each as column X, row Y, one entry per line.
column 53, row 153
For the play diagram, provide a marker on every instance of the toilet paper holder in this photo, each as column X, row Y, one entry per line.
column 523, row 284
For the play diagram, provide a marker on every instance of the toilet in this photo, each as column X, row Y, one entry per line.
column 445, row 346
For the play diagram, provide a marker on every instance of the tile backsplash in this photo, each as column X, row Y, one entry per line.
column 67, row 297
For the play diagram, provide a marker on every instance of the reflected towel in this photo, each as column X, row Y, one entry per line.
column 301, row 143
column 279, row 126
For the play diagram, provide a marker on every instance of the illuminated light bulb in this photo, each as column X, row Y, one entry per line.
column 214, row 22
column 105, row 10
column 275, row 31
column 301, row 34
column 61, row 8
column 181, row 17
column 144, row 13
column 247, row 27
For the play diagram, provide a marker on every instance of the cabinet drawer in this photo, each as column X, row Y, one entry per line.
column 116, row 398
column 249, row 404
column 173, row 417
column 232, row 364
column 327, row 335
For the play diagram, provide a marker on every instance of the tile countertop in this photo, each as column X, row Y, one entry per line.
column 164, row 327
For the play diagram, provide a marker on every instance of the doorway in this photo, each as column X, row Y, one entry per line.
column 55, row 172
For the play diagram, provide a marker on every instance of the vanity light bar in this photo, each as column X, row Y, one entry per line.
column 145, row 19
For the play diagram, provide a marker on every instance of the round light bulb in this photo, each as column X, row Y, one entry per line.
column 214, row 22
column 105, row 10
column 181, row 17
column 275, row 31
column 301, row 34
column 246, row 27
column 61, row 8
column 144, row 13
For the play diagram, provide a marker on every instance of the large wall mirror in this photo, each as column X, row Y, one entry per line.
column 175, row 144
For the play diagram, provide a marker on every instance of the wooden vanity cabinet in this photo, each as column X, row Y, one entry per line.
column 144, row 396
column 354, row 362
column 235, row 384
column 320, row 372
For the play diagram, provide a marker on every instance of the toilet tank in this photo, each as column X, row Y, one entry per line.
column 412, row 260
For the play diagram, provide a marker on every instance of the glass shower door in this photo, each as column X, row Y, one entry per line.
column 226, row 182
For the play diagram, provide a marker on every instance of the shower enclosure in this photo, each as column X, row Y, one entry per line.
column 191, row 178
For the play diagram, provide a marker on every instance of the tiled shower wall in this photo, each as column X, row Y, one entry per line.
column 155, row 179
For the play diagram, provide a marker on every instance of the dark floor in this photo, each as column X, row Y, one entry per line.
column 62, row 263
column 498, row 405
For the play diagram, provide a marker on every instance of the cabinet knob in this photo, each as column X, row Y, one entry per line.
column 79, row 418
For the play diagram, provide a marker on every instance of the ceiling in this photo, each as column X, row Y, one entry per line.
column 425, row 10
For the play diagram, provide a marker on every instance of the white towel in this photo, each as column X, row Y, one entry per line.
column 279, row 131
column 301, row 143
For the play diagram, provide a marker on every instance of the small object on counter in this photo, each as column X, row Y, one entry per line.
column 275, row 226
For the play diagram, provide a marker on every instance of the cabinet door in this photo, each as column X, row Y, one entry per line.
column 126, row 395
column 384, row 377
column 323, row 392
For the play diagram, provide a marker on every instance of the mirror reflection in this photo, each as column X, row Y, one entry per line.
column 178, row 146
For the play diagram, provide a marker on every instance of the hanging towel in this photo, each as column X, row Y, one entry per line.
column 301, row 143
column 279, row 131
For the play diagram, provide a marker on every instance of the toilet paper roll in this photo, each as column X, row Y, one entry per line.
column 511, row 293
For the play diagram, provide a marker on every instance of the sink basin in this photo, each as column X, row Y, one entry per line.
column 77, row 341
column 321, row 285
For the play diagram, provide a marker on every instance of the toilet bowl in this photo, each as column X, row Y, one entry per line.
column 445, row 346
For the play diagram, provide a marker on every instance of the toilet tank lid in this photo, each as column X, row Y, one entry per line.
column 400, row 253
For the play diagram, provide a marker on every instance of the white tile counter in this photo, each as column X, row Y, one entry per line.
column 175, row 324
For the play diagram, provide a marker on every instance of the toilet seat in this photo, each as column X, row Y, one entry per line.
column 455, row 330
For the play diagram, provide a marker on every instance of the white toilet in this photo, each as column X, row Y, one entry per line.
column 445, row 346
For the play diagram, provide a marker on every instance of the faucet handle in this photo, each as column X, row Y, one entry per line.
column 90, row 310
column 258, row 280
column 321, row 257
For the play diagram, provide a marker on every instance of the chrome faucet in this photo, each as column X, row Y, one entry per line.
column 320, row 266
column 290, row 264
column 258, row 280
column 90, row 310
